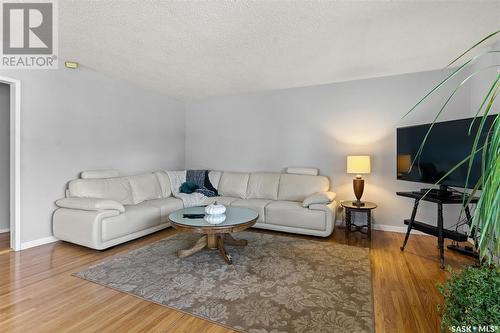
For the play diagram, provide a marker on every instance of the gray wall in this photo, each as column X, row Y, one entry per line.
column 77, row 120
column 74, row 120
column 317, row 127
column 484, row 76
column 4, row 156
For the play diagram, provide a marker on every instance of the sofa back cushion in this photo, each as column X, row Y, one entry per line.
column 145, row 187
column 298, row 187
column 263, row 185
column 214, row 177
column 117, row 189
column 233, row 184
column 164, row 181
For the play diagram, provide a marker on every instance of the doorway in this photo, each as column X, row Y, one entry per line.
column 4, row 167
column 10, row 182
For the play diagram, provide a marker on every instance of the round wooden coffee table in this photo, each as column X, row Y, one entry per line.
column 214, row 235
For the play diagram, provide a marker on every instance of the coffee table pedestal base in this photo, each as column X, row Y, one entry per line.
column 213, row 242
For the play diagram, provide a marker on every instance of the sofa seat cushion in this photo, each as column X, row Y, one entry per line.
column 166, row 206
column 292, row 214
column 257, row 205
column 136, row 218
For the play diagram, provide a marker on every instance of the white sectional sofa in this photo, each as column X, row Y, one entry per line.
column 102, row 210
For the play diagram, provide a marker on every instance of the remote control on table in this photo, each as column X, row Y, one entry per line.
column 193, row 216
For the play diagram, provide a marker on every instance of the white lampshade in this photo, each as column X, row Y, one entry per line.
column 358, row 164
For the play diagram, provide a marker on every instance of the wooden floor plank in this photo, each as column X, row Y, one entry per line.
column 39, row 294
column 4, row 242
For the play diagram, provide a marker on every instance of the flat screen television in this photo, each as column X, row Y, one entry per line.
column 447, row 145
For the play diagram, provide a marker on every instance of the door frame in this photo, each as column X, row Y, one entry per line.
column 15, row 161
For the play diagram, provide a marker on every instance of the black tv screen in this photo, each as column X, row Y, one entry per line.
column 447, row 145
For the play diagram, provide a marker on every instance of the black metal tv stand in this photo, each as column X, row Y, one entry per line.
column 437, row 230
column 442, row 192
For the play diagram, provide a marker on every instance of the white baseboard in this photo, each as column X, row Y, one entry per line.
column 392, row 228
column 4, row 230
column 381, row 227
column 38, row 242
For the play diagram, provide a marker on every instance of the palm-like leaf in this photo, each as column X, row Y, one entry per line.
column 473, row 47
column 486, row 221
column 455, row 91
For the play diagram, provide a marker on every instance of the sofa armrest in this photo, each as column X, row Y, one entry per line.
column 330, row 208
column 319, row 198
column 83, row 227
column 330, row 214
column 91, row 204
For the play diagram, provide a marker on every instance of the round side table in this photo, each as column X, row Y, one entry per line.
column 367, row 208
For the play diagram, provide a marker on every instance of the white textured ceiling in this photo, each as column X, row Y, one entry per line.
column 202, row 48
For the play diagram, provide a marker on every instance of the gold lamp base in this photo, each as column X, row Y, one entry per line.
column 358, row 184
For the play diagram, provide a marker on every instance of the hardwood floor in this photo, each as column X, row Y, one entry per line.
column 38, row 293
column 4, row 242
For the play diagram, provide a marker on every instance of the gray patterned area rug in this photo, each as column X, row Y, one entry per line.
column 276, row 284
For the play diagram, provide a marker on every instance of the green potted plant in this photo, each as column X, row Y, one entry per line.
column 472, row 295
column 472, row 299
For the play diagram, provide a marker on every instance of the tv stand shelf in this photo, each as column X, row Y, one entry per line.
column 433, row 230
column 437, row 230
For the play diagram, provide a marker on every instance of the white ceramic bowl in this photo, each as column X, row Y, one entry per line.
column 215, row 209
column 215, row 218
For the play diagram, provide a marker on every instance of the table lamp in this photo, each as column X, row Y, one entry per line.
column 358, row 164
